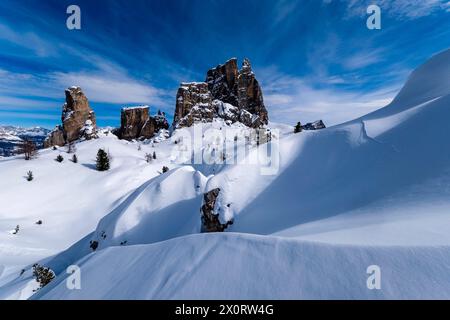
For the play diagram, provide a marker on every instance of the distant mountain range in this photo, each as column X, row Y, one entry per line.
column 11, row 136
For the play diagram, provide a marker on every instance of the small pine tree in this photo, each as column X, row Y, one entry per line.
column 43, row 275
column 139, row 147
column 148, row 157
column 154, row 155
column 74, row 158
column 93, row 245
column 54, row 148
column 102, row 160
column 165, row 169
column 298, row 128
column 59, row 158
column 30, row 175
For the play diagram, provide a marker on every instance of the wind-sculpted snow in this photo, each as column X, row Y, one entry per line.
column 429, row 81
column 236, row 266
column 162, row 208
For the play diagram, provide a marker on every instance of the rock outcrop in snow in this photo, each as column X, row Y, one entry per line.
column 316, row 125
column 210, row 219
column 78, row 120
column 228, row 93
column 136, row 122
column 55, row 138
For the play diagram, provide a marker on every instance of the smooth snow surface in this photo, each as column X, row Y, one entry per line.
column 229, row 265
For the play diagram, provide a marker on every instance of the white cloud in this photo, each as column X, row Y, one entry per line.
column 447, row 6
column 16, row 103
column 362, row 59
column 103, row 88
column 27, row 40
column 107, row 84
column 282, row 10
column 398, row 9
column 290, row 99
column 29, row 115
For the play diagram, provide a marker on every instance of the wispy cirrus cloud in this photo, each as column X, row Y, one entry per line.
column 291, row 99
column 28, row 40
column 283, row 9
column 362, row 59
column 114, row 88
column 117, row 90
column 397, row 9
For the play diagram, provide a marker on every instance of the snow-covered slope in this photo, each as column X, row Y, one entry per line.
column 224, row 266
column 372, row 191
column 160, row 209
column 70, row 198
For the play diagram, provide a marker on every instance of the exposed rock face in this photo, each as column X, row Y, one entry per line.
column 228, row 93
column 77, row 116
column 222, row 82
column 194, row 103
column 161, row 121
column 55, row 138
column 210, row 220
column 78, row 120
column 136, row 123
column 316, row 125
column 250, row 97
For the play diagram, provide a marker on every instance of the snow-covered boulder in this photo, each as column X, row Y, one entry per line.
column 210, row 219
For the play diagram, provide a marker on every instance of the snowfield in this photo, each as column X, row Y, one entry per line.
column 372, row 191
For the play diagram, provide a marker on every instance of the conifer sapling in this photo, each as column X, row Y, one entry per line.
column 102, row 162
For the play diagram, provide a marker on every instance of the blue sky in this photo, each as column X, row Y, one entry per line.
column 314, row 59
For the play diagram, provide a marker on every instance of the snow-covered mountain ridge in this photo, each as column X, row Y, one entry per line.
column 372, row 191
column 11, row 136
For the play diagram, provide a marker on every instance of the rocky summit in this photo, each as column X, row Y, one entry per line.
column 78, row 120
column 136, row 123
column 228, row 93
